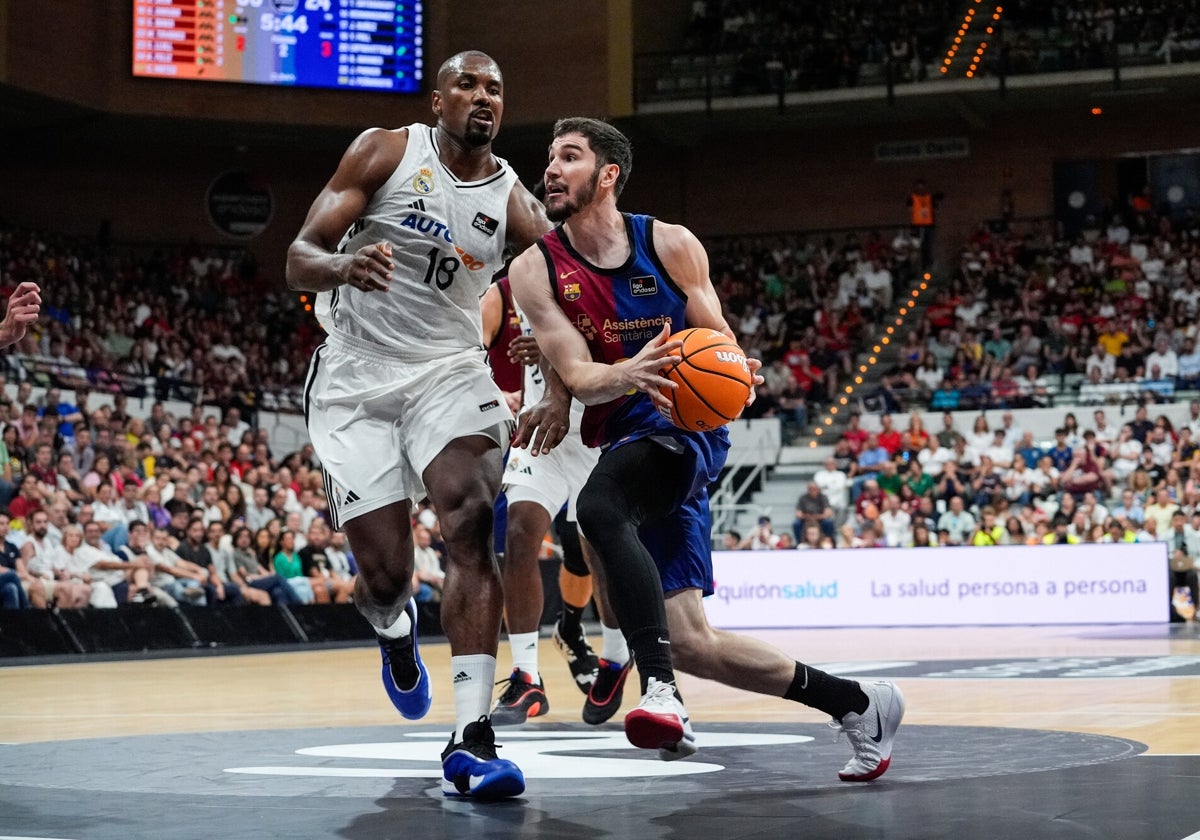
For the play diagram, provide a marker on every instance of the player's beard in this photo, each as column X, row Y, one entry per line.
column 477, row 138
column 571, row 206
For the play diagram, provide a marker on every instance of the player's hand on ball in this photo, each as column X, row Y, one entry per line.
column 644, row 372
column 714, row 380
column 755, row 365
column 369, row 270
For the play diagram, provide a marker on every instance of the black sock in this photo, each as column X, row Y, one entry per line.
column 650, row 648
column 570, row 621
column 832, row 695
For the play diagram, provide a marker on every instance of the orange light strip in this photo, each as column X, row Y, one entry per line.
column 983, row 44
column 906, row 308
column 958, row 39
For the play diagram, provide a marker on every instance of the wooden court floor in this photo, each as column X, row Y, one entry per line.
column 1138, row 684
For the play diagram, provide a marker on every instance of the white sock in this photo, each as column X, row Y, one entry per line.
column 524, row 647
column 474, row 677
column 402, row 626
column 613, row 648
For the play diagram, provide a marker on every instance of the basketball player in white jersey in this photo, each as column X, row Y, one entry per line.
column 539, row 480
column 400, row 402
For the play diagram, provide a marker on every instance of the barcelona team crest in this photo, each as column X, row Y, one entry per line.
column 571, row 291
column 423, row 181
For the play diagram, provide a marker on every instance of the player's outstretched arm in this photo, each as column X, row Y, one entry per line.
column 313, row 264
column 591, row 382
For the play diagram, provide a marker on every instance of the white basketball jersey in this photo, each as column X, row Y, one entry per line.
column 535, row 382
column 447, row 240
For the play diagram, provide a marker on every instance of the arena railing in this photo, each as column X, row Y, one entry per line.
column 49, row 373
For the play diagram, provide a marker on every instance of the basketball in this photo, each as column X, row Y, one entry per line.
column 713, row 380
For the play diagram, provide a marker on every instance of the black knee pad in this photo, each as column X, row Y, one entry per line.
column 568, row 535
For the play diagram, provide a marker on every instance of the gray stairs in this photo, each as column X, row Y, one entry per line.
column 777, row 498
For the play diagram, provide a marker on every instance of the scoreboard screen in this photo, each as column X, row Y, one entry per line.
column 352, row 44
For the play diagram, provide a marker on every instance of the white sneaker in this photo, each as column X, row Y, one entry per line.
column 660, row 722
column 871, row 733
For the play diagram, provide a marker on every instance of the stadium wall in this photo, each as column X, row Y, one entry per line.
column 740, row 173
column 82, row 53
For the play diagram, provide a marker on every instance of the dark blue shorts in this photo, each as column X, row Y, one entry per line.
column 681, row 542
column 681, row 545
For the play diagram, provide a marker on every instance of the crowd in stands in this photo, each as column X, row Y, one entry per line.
column 91, row 489
column 969, row 483
column 1080, row 34
column 1033, row 317
column 103, row 507
column 108, row 499
column 1113, row 309
column 818, row 45
column 806, row 306
column 158, row 322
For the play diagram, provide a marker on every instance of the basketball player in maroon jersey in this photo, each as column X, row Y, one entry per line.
column 603, row 291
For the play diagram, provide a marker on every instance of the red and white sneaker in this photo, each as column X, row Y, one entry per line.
column 871, row 733
column 661, row 723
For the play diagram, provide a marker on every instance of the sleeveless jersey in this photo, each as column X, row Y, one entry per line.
column 922, row 209
column 617, row 310
column 448, row 239
column 534, row 384
column 507, row 373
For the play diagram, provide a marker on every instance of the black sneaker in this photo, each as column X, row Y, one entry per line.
column 604, row 698
column 471, row 768
column 581, row 659
column 522, row 699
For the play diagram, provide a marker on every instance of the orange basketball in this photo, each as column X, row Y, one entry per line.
column 713, row 379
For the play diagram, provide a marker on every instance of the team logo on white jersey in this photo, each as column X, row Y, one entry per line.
column 423, row 181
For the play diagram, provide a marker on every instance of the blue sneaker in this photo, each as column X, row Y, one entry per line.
column 470, row 767
column 402, row 665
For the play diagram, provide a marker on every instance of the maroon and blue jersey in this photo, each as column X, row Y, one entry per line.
column 509, row 375
column 618, row 310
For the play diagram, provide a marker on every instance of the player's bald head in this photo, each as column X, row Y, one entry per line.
column 455, row 65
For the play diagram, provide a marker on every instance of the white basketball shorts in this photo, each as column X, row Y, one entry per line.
column 377, row 421
column 553, row 479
